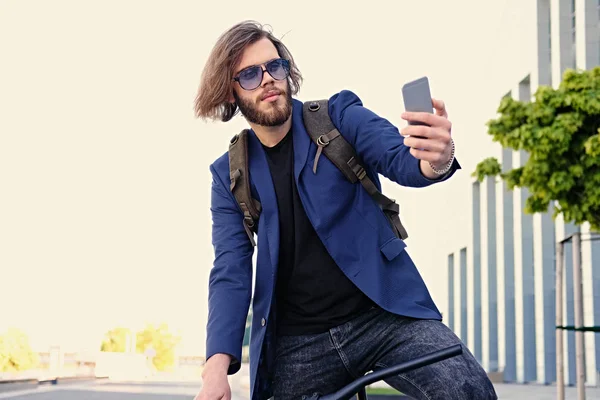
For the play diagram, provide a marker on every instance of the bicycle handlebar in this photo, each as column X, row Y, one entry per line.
column 352, row 389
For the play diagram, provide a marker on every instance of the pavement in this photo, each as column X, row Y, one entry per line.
column 510, row 391
column 112, row 390
column 187, row 390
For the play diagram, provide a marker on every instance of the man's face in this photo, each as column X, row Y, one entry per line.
column 270, row 104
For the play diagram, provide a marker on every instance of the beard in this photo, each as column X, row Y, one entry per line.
column 275, row 115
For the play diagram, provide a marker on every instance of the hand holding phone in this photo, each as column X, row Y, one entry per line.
column 428, row 134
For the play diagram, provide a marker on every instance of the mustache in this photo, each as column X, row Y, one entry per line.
column 271, row 91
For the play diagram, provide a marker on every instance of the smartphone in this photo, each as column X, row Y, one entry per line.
column 417, row 97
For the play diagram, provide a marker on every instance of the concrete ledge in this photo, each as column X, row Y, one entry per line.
column 71, row 379
column 7, row 385
column 32, row 383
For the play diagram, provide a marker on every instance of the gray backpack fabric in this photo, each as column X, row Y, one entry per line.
column 330, row 142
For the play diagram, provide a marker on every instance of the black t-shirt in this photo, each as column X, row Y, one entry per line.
column 312, row 292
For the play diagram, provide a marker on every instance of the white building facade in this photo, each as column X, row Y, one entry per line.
column 501, row 289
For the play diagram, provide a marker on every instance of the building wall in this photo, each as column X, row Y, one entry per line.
column 508, row 317
column 587, row 48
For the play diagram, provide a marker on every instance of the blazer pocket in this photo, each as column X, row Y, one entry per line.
column 392, row 248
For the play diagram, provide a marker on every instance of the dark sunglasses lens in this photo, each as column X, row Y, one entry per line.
column 278, row 69
column 250, row 78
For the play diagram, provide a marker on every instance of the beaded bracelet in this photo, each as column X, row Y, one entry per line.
column 447, row 168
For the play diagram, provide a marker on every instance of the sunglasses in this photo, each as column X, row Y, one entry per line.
column 251, row 77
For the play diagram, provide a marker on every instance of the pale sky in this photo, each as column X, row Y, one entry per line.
column 104, row 209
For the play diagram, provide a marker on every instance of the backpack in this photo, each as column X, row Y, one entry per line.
column 330, row 142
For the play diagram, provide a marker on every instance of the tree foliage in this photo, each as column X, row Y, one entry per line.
column 161, row 342
column 154, row 339
column 115, row 340
column 560, row 131
column 16, row 353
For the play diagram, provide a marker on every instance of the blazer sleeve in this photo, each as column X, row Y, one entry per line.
column 230, row 280
column 378, row 142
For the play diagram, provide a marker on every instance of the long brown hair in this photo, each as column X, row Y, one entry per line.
column 212, row 100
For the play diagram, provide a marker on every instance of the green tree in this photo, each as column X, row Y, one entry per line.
column 16, row 353
column 560, row 131
column 161, row 342
column 115, row 340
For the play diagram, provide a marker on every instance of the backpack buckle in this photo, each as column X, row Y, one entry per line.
column 249, row 222
column 360, row 173
column 322, row 142
column 358, row 170
column 314, row 106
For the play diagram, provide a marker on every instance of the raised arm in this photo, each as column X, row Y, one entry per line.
column 378, row 142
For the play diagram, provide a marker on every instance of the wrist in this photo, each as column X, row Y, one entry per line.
column 442, row 168
column 218, row 363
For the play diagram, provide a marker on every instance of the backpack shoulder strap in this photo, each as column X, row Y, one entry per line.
column 341, row 153
column 240, row 182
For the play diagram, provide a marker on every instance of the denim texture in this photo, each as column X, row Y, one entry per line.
column 323, row 363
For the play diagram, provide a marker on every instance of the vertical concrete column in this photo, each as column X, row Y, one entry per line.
column 525, row 300
column 463, row 296
column 587, row 33
column 563, row 38
column 569, row 310
column 528, row 295
column 545, row 298
column 477, row 318
column 541, row 73
column 510, row 357
column 492, row 274
column 451, row 292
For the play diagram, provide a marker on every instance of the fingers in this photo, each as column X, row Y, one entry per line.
column 425, row 144
column 428, row 142
column 440, row 107
column 432, row 120
column 431, row 156
column 425, row 132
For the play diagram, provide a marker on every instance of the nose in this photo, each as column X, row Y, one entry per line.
column 266, row 78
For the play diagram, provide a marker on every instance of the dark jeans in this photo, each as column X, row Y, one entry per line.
column 323, row 363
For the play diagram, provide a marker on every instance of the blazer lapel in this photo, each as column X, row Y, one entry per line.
column 301, row 139
column 261, row 177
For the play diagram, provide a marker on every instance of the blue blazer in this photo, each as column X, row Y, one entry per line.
column 352, row 227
